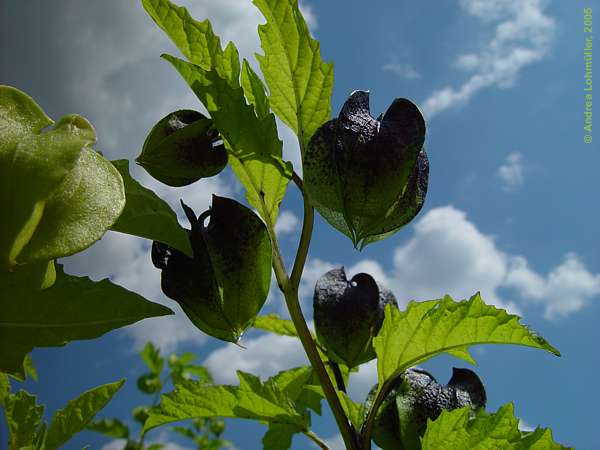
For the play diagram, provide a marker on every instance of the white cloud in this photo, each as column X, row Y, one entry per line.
column 287, row 222
column 449, row 255
column 523, row 35
column 568, row 288
column 402, row 70
column 511, row 172
column 263, row 356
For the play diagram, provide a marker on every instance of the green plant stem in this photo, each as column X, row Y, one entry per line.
column 316, row 439
column 367, row 428
column 290, row 292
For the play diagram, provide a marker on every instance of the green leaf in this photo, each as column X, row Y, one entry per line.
column 151, row 356
column 78, row 413
column 147, row 215
column 74, row 308
column 29, row 368
column 78, row 212
column 255, row 90
column 110, row 427
column 23, row 417
column 253, row 145
column 149, row 383
column 196, row 40
column 354, row 411
column 273, row 323
column 429, row 328
column 253, row 399
column 500, row 430
column 278, row 436
column 182, row 148
column 300, row 83
column 213, row 74
column 4, row 387
column 32, row 164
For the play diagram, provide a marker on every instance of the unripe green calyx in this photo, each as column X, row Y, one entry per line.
column 224, row 286
column 348, row 314
column 368, row 177
column 416, row 397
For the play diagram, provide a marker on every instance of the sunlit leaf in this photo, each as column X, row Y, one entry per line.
column 78, row 413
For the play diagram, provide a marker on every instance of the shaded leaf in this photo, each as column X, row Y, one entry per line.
column 279, row 436
column 78, row 413
column 23, row 417
column 87, row 202
column 151, row 356
column 29, row 368
column 147, row 215
column 4, row 387
column 32, row 165
column 110, row 427
column 300, row 83
column 74, row 308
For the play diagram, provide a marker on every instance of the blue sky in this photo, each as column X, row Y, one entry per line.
column 511, row 209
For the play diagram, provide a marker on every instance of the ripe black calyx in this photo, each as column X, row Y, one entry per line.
column 224, row 286
column 348, row 314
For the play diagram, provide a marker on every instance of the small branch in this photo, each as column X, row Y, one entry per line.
column 304, row 244
column 316, row 439
column 296, row 179
column 367, row 427
column 339, row 379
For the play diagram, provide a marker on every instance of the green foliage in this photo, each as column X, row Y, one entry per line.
column 62, row 196
column 456, row 429
column 429, row 328
column 76, row 415
column 27, row 429
column 181, row 149
column 205, row 433
column 74, row 308
column 147, row 215
column 275, row 324
column 367, row 177
column 300, row 83
column 213, row 74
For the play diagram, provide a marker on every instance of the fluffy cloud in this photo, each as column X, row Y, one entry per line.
column 287, row 222
column 568, row 288
column 403, row 70
column 523, row 35
column 263, row 356
column 511, row 172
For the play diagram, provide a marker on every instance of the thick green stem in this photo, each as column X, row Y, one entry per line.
column 289, row 287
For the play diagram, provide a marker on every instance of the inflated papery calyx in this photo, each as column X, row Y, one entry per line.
column 368, row 177
column 224, row 286
column 417, row 397
column 182, row 148
column 348, row 314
